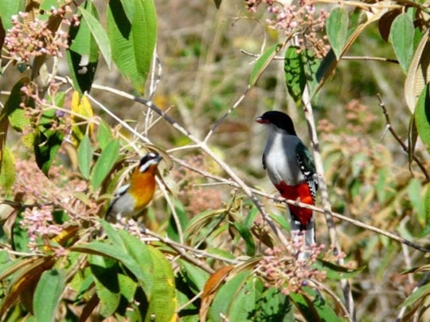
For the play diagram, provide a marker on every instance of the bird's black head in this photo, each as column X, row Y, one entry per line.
column 279, row 120
column 148, row 160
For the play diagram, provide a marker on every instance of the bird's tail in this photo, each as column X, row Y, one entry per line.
column 306, row 231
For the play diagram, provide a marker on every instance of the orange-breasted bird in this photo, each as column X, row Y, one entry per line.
column 291, row 169
column 130, row 199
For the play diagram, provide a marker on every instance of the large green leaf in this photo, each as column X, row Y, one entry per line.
column 133, row 41
column 83, row 52
column 337, row 29
column 402, row 39
column 163, row 302
column 105, row 272
column 99, row 34
column 8, row 8
column 48, row 294
column 226, row 295
column 295, row 76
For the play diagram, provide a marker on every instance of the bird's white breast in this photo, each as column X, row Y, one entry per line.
column 281, row 160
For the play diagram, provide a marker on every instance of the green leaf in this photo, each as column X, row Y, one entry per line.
column 295, row 76
column 163, row 302
column 47, row 142
column 418, row 295
column 245, row 233
column 336, row 272
column 427, row 204
column 17, row 116
column 137, row 269
column 412, row 140
column 140, row 253
column 172, row 229
column 196, row 277
column 9, row 8
column 133, row 41
column 337, row 29
column 272, row 305
column 104, row 134
column 85, row 155
column 422, row 116
column 105, row 272
column 48, row 294
column 262, row 62
column 226, row 295
column 7, row 171
column 414, row 192
column 83, row 53
column 316, row 304
column 105, row 163
column 402, row 39
column 244, row 303
column 98, row 33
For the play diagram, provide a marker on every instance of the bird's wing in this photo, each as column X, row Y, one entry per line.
column 307, row 167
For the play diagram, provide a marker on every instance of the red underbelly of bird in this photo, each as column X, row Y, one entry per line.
column 301, row 192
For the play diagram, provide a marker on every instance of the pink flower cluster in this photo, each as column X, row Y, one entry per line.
column 302, row 21
column 29, row 38
column 285, row 272
column 38, row 222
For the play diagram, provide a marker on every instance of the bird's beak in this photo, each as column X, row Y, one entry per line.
column 260, row 120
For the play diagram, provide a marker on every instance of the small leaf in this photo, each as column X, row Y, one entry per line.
column 402, row 39
column 313, row 306
column 104, row 134
column 7, row 171
column 412, row 140
column 85, row 155
column 105, row 163
column 99, row 34
column 337, row 30
column 422, row 116
column 48, row 294
column 196, row 277
column 262, row 62
column 336, row 272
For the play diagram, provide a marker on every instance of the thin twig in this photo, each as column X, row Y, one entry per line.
column 328, row 213
column 398, row 139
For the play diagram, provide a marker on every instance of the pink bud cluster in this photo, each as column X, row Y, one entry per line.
column 30, row 38
column 39, row 223
column 286, row 272
column 303, row 21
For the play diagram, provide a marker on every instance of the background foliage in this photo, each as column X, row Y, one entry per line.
column 76, row 83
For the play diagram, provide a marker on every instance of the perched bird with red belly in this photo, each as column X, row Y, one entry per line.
column 291, row 169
